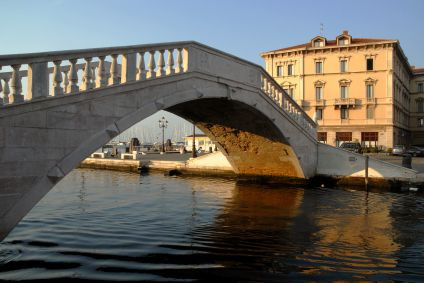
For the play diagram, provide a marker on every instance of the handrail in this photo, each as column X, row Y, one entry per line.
column 50, row 56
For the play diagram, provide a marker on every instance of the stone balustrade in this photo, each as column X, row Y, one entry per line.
column 67, row 75
column 273, row 90
column 52, row 74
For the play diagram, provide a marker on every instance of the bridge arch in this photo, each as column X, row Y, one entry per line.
column 43, row 140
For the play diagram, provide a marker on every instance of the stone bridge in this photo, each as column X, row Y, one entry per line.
column 57, row 108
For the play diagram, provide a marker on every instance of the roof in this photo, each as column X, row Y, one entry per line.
column 332, row 43
column 417, row 70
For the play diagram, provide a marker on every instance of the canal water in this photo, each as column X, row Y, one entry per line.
column 106, row 225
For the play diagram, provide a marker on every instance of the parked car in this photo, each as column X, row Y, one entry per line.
column 398, row 150
column 352, row 146
column 415, row 151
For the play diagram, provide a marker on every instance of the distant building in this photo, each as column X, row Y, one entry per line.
column 202, row 143
column 357, row 89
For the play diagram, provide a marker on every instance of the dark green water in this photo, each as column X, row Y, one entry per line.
column 105, row 225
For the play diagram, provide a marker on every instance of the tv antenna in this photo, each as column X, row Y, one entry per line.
column 321, row 29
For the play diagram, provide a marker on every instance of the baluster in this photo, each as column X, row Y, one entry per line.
column 161, row 65
column 141, row 70
column 179, row 68
column 6, row 91
column 16, row 85
column 265, row 87
column 281, row 100
column 170, row 63
column 73, row 77
column 93, row 77
column 86, row 79
column 275, row 94
column 114, row 79
column 101, row 73
column 65, row 80
column 57, row 78
column 152, row 65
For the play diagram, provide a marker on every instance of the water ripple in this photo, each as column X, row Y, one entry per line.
column 114, row 226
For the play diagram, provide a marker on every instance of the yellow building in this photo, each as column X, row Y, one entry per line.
column 357, row 89
column 202, row 142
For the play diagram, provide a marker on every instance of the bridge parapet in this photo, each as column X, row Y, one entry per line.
column 272, row 89
column 50, row 74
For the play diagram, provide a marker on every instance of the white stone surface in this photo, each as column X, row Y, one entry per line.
column 334, row 161
column 213, row 161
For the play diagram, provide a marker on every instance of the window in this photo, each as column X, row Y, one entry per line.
column 201, row 142
column 343, row 137
column 344, row 112
column 318, row 43
column 420, row 122
column 370, row 64
column 370, row 112
column 279, row 71
column 318, row 114
column 318, row 67
column 420, row 105
column 420, row 87
column 369, row 139
column 343, row 91
column 343, row 66
column 322, row 137
column 291, row 92
column 343, row 41
column 290, row 70
column 370, row 91
column 318, row 93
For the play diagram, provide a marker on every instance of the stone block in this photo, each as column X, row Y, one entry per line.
column 35, row 119
column 63, row 120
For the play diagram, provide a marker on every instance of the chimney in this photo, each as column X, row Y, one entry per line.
column 346, row 32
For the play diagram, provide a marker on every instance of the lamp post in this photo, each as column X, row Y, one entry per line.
column 163, row 123
column 194, row 154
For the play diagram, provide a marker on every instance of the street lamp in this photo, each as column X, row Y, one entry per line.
column 163, row 123
column 193, row 151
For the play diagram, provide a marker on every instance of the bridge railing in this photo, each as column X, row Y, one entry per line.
column 49, row 74
column 271, row 88
column 65, row 72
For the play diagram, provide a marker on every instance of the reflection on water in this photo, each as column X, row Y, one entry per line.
column 105, row 225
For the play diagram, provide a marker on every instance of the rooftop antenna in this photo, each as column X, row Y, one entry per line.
column 321, row 29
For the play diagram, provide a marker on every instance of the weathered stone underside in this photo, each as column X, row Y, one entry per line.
column 251, row 142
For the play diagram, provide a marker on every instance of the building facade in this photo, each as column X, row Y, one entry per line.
column 356, row 89
column 202, row 142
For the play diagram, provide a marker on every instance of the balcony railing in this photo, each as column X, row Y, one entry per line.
column 349, row 102
column 371, row 100
column 320, row 103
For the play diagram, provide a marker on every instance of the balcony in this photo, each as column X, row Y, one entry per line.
column 320, row 103
column 348, row 102
column 371, row 100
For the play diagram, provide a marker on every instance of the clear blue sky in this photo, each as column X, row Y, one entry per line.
column 243, row 28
